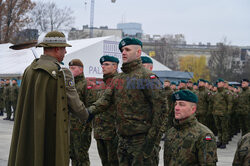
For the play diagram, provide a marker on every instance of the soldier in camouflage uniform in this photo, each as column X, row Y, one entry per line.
column 170, row 111
column 203, row 102
column 220, row 112
column 147, row 62
column 183, row 85
column 188, row 142
column 173, row 86
column 80, row 133
column 7, row 99
column 104, row 123
column 14, row 96
column 242, row 154
column 243, row 109
column 1, row 97
column 190, row 85
column 137, row 96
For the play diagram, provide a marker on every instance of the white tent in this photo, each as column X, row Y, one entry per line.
column 14, row 62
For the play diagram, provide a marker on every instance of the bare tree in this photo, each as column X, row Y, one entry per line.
column 220, row 62
column 48, row 17
column 13, row 17
column 165, row 50
column 1, row 18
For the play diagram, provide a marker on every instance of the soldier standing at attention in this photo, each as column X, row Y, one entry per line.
column 14, row 96
column 183, row 85
column 190, row 85
column 220, row 113
column 104, row 123
column 80, row 133
column 7, row 99
column 1, row 97
column 243, row 109
column 203, row 102
column 188, row 142
column 242, row 154
column 137, row 96
column 40, row 133
column 173, row 86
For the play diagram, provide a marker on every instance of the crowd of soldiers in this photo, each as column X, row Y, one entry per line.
column 129, row 112
column 222, row 107
column 8, row 98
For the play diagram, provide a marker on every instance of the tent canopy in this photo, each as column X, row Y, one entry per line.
column 89, row 51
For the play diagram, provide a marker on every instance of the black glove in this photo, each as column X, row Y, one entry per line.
column 91, row 116
column 148, row 147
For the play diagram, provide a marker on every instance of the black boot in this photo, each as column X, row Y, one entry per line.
column 218, row 144
column 6, row 118
column 222, row 146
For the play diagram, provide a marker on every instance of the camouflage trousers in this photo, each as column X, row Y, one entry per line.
column 80, row 140
column 210, row 123
column 244, row 123
column 8, row 109
column 130, row 153
column 221, row 123
column 107, row 150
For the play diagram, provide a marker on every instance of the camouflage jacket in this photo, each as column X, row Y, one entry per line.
column 6, row 93
column 137, row 96
column 190, row 143
column 203, row 101
column 244, row 101
column 104, row 123
column 167, row 92
column 14, row 93
column 222, row 103
column 242, row 155
column 1, row 97
column 87, row 94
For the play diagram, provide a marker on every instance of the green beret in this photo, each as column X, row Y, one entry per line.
column 244, row 80
column 185, row 95
column 202, row 80
column 220, row 80
column 54, row 39
column 173, row 83
column 14, row 79
column 109, row 59
column 183, row 81
column 129, row 41
column 146, row 59
column 195, row 84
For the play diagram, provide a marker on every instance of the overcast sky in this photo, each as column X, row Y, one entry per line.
column 199, row 20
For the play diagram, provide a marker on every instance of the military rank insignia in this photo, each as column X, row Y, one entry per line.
column 208, row 138
column 177, row 96
column 152, row 77
column 123, row 43
column 53, row 73
column 71, row 83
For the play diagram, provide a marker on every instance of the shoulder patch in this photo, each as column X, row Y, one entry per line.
column 89, row 87
column 208, row 138
column 71, row 83
column 152, row 76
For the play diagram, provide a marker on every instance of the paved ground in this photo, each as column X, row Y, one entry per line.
column 225, row 156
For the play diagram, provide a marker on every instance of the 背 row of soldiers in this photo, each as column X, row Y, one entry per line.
column 8, row 97
column 129, row 113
